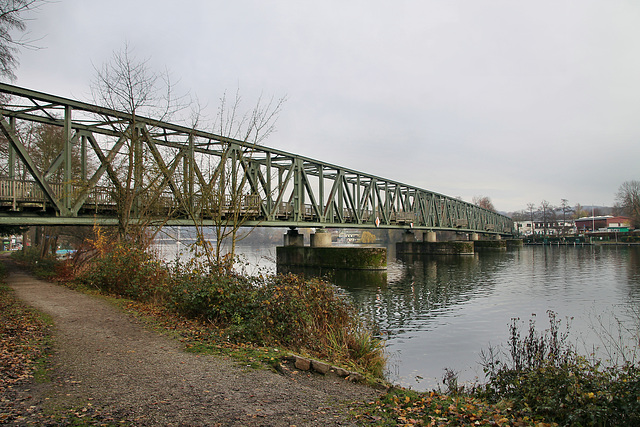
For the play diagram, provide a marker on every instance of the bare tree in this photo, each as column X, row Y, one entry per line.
column 227, row 198
column 566, row 208
column 214, row 186
column 545, row 209
column 518, row 215
column 530, row 207
column 483, row 202
column 12, row 21
column 628, row 198
column 44, row 143
column 44, row 146
column 129, row 85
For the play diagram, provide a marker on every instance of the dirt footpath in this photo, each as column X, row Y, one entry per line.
column 107, row 363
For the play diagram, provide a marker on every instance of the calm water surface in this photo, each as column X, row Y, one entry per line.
column 440, row 312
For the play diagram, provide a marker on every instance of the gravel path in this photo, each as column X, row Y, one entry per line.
column 105, row 362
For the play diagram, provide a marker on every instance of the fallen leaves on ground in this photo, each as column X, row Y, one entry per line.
column 22, row 342
column 22, row 335
column 401, row 407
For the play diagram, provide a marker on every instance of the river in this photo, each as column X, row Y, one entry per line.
column 440, row 312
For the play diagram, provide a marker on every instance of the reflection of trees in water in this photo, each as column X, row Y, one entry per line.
column 427, row 288
column 423, row 289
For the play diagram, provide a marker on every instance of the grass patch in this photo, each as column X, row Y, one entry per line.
column 83, row 416
column 41, row 368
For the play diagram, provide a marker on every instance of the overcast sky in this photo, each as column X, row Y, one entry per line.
column 519, row 101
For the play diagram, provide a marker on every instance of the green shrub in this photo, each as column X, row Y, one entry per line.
column 309, row 315
column 216, row 298
column 299, row 312
column 546, row 377
column 283, row 310
column 125, row 269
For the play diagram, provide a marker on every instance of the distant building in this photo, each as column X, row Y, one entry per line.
column 603, row 223
column 550, row 228
column 524, row 228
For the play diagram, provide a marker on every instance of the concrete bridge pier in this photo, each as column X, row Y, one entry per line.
column 430, row 236
column 293, row 238
column 321, row 255
column 409, row 236
column 491, row 242
column 320, row 239
column 474, row 237
column 431, row 246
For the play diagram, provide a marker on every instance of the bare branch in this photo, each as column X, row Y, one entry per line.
column 11, row 21
column 628, row 198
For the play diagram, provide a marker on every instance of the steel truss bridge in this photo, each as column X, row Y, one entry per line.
column 106, row 157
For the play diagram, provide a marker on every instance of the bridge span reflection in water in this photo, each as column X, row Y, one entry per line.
column 440, row 312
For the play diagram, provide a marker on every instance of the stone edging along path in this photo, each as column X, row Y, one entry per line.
column 109, row 362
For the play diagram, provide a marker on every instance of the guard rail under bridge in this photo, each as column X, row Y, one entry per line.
column 106, row 163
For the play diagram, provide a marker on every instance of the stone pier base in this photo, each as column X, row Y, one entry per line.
column 514, row 243
column 458, row 247
column 354, row 258
column 490, row 245
column 320, row 239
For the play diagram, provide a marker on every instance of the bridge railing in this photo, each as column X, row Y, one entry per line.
column 19, row 194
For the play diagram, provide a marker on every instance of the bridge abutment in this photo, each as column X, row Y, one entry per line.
column 455, row 247
column 490, row 245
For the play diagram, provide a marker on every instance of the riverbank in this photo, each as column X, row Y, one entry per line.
column 107, row 367
column 102, row 366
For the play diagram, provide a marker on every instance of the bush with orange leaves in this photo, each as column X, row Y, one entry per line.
column 124, row 268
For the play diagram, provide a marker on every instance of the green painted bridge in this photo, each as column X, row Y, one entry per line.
column 66, row 162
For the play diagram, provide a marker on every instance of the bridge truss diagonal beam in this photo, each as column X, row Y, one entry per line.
column 166, row 169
